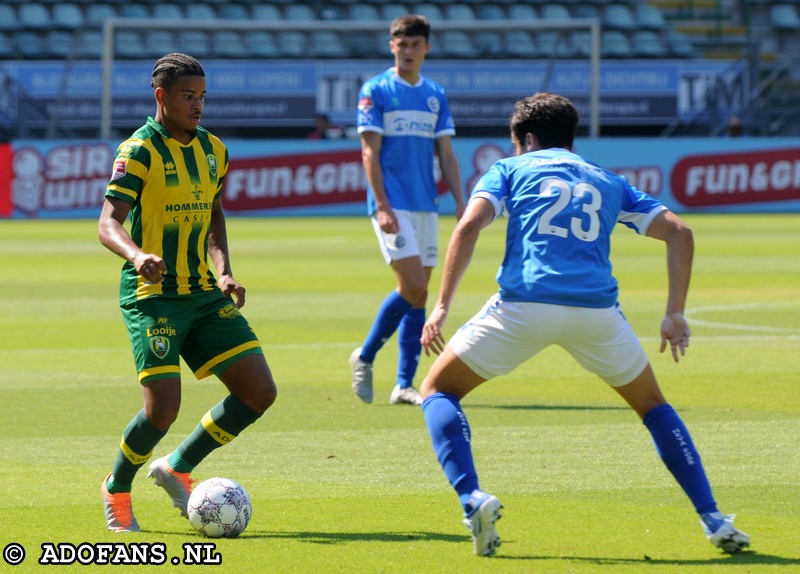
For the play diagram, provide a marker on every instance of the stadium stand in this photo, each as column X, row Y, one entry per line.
column 683, row 28
column 763, row 31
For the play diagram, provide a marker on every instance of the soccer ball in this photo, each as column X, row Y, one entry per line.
column 220, row 508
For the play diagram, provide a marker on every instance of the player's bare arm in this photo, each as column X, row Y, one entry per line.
column 678, row 236
column 220, row 256
column 479, row 213
column 448, row 163
column 115, row 237
column 371, row 158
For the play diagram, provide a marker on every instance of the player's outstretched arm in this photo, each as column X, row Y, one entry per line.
column 479, row 214
column 679, row 238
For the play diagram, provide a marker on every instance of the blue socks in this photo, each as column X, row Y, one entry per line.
column 450, row 435
column 409, row 334
column 391, row 312
column 676, row 449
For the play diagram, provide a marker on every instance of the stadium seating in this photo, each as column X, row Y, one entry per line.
column 83, row 19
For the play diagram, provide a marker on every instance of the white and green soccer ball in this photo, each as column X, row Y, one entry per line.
column 219, row 508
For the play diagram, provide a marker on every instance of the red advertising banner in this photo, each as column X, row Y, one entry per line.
column 294, row 180
column 737, row 178
column 5, row 180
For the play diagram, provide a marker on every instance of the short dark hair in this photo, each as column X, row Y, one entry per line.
column 553, row 119
column 410, row 25
column 169, row 68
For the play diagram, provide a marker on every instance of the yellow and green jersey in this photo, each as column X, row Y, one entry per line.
column 171, row 188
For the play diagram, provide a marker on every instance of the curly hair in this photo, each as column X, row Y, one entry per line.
column 553, row 119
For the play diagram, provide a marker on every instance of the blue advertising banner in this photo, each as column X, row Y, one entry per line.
column 278, row 93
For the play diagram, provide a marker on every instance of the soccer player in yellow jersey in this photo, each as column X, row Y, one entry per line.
column 167, row 177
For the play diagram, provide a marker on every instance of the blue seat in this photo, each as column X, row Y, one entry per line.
column 519, row 44
column 8, row 49
column 586, row 11
column 681, row 46
column 522, row 12
column 489, row 44
column 58, row 44
column 618, row 17
column 197, row 11
column 363, row 12
column 459, row 12
column 89, row 45
column 261, row 44
column 68, row 16
column 302, row 12
column 30, row 45
column 554, row 12
column 649, row 17
column 267, row 13
column 228, row 44
column 96, row 14
column 8, row 17
column 580, row 42
column 784, row 17
column 292, row 44
column 159, row 42
column 168, row 11
column 131, row 10
column 129, row 44
column 34, row 16
column 457, row 44
column 648, row 44
column 194, row 42
column 615, row 44
column 490, row 12
column 233, row 12
column 393, row 10
column 326, row 44
column 431, row 11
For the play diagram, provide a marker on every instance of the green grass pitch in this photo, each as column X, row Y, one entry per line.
column 340, row 487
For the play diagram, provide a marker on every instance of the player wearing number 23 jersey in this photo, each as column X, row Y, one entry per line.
column 557, row 289
column 561, row 212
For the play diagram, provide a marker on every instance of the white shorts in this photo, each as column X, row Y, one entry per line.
column 505, row 334
column 417, row 235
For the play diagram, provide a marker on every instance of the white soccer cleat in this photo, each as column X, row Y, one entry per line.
column 481, row 523
column 721, row 533
column 407, row 395
column 362, row 376
column 177, row 484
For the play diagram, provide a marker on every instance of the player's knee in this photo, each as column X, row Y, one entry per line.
column 161, row 416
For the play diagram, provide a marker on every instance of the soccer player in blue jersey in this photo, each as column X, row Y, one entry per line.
column 556, row 288
column 403, row 118
column 168, row 178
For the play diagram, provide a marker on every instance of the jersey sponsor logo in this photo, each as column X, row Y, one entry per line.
column 228, row 312
column 433, row 104
column 159, row 346
column 365, row 105
column 119, row 169
column 410, row 123
column 211, row 161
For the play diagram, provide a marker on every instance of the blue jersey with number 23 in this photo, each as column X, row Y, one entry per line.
column 561, row 211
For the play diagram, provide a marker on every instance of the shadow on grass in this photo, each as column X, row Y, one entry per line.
column 744, row 558
column 548, row 407
column 338, row 537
